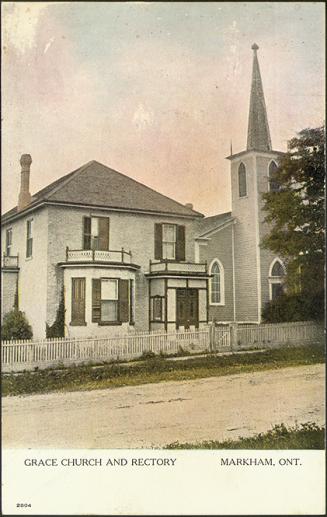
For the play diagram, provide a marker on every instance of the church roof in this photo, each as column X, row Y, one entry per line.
column 213, row 223
column 258, row 128
column 95, row 184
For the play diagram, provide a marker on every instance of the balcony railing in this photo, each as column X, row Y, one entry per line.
column 9, row 261
column 121, row 256
column 166, row 266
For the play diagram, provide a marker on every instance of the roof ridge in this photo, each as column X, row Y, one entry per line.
column 218, row 215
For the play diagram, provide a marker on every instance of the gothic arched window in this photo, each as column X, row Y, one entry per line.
column 273, row 184
column 276, row 279
column 242, row 180
column 217, row 293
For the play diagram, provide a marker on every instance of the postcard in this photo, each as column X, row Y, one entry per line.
column 163, row 255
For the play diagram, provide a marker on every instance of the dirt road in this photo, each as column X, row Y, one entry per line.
column 153, row 415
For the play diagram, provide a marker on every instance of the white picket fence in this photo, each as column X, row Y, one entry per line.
column 274, row 334
column 26, row 355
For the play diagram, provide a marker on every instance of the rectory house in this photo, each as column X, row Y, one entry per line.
column 122, row 256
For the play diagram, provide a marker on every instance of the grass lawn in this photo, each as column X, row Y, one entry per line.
column 305, row 436
column 157, row 369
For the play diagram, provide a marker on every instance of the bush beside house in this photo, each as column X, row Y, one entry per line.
column 294, row 307
column 15, row 326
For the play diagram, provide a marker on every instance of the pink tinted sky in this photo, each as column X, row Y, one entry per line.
column 154, row 90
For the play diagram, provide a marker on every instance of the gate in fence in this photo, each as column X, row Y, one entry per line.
column 220, row 338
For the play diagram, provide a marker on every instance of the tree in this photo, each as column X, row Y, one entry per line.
column 15, row 326
column 296, row 214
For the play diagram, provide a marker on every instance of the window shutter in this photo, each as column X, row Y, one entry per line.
column 158, row 241
column 123, row 300
column 131, row 301
column 104, row 233
column 86, row 233
column 180, row 244
column 96, row 299
column 78, row 301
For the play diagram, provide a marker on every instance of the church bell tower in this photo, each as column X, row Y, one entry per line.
column 250, row 171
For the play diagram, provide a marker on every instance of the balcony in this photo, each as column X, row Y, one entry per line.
column 168, row 267
column 9, row 262
column 113, row 257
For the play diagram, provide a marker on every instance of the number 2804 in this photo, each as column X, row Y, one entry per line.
column 23, row 505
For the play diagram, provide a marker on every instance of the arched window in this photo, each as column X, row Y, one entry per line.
column 217, row 290
column 276, row 279
column 242, row 180
column 273, row 184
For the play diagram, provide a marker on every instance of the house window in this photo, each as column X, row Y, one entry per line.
column 217, row 283
column 29, row 238
column 109, row 300
column 169, row 242
column 273, row 184
column 242, row 180
column 112, row 301
column 276, row 279
column 8, row 241
column 96, row 233
column 78, row 301
column 157, row 308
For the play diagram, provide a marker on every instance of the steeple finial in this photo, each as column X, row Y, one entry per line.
column 258, row 128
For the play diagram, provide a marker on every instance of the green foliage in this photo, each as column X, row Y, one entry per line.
column 305, row 436
column 57, row 329
column 16, row 297
column 148, row 354
column 157, row 370
column 296, row 213
column 295, row 307
column 15, row 326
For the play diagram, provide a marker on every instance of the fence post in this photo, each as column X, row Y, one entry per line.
column 233, row 335
column 212, row 336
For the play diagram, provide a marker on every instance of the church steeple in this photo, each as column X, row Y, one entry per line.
column 258, row 129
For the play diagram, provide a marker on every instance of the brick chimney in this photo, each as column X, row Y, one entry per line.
column 24, row 197
column 189, row 205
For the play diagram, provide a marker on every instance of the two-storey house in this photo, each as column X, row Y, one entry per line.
column 121, row 254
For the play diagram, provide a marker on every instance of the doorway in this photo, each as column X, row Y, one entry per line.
column 187, row 308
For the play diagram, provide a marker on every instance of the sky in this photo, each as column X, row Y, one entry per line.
column 155, row 90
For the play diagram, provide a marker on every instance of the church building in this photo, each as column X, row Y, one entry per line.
column 122, row 257
column 244, row 275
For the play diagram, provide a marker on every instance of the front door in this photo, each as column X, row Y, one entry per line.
column 187, row 308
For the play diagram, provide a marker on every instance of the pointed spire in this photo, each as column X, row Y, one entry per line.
column 258, row 129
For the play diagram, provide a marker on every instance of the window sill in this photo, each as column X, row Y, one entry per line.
column 243, row 197
column 222, row 304
column 78, row 323
column 109, row 323
column 29, row 258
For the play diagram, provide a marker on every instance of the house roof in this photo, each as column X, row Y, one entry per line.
column 95, row 184
column 212, row 223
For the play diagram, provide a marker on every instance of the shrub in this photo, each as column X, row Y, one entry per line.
column 148, row 354
column 57, row 329
column 294, row 307
column 16, row 326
